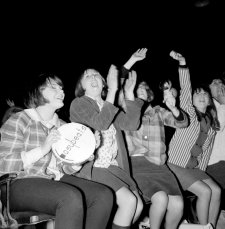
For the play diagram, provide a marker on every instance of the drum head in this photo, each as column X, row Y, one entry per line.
column 76, row 145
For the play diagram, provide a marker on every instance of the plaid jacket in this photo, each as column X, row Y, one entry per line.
column 149, row 139
column 20, row 133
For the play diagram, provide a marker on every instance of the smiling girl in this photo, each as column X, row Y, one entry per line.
column 190, row 148
column 111, row 165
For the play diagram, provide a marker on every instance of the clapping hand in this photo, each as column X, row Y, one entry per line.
column 130, row 85
column 112, row 78
column 170, row 100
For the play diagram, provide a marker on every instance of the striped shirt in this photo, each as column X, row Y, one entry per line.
column 149, row 139
column 24, row 133
column 184, row 139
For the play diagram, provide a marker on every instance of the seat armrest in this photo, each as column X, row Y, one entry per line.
column 9, row 176
column 7, row 219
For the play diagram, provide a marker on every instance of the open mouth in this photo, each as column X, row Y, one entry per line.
column 61, row 98
column 94, row 84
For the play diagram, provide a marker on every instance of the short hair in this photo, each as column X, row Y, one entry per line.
column 79, row 90
column 34, row 96
column 150, row 93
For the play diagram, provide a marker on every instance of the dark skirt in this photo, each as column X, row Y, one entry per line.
column 187, row 176
column 114, row 177
column 152, row 178
column 217, row 172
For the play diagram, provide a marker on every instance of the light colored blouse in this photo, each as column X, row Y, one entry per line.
column 107, row 152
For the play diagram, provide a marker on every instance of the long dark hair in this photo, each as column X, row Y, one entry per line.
column 211, row 111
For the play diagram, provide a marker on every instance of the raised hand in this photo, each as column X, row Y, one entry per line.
column 130, row 85
column 10, row 102
column 169, row 100
column 140, row 54
column 112, row 78
column 179, row 57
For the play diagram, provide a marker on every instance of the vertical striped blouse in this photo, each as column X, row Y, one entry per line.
column 184, row 139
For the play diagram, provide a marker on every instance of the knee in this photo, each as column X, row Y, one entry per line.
column 205, row 192
column 72, row 200
column 131, row 199
column 105, row 196
column 126, row 198
column 160, row 198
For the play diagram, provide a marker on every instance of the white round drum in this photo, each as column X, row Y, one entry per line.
column 76, row 145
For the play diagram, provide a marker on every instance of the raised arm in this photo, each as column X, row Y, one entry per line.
column 139, row 55
column 177, row 56
column 185, row 83
column 112, row 83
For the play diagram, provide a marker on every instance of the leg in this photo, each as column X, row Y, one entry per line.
column 99, row 201
column 158, row 209
column 51, row 197
column 214, row 207
column 174, row 212
column 139, row 207
column 203, row 193
column 127, row 204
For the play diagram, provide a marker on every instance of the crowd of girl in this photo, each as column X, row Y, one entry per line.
column 132, row 165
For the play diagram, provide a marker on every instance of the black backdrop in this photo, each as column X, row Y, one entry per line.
column 67, row 38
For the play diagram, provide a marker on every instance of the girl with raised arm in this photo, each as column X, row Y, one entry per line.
column 190, row 148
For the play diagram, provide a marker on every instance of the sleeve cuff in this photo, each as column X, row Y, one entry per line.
column 30, row 157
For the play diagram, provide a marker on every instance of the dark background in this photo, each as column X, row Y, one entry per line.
column 67, row 38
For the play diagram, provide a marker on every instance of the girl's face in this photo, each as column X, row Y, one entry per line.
column 92, row 83
column 215, row 87
column 142, row 92
column 54, row 94
column 201, row 100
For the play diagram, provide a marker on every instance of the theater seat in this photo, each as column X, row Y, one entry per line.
column 10, row 219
